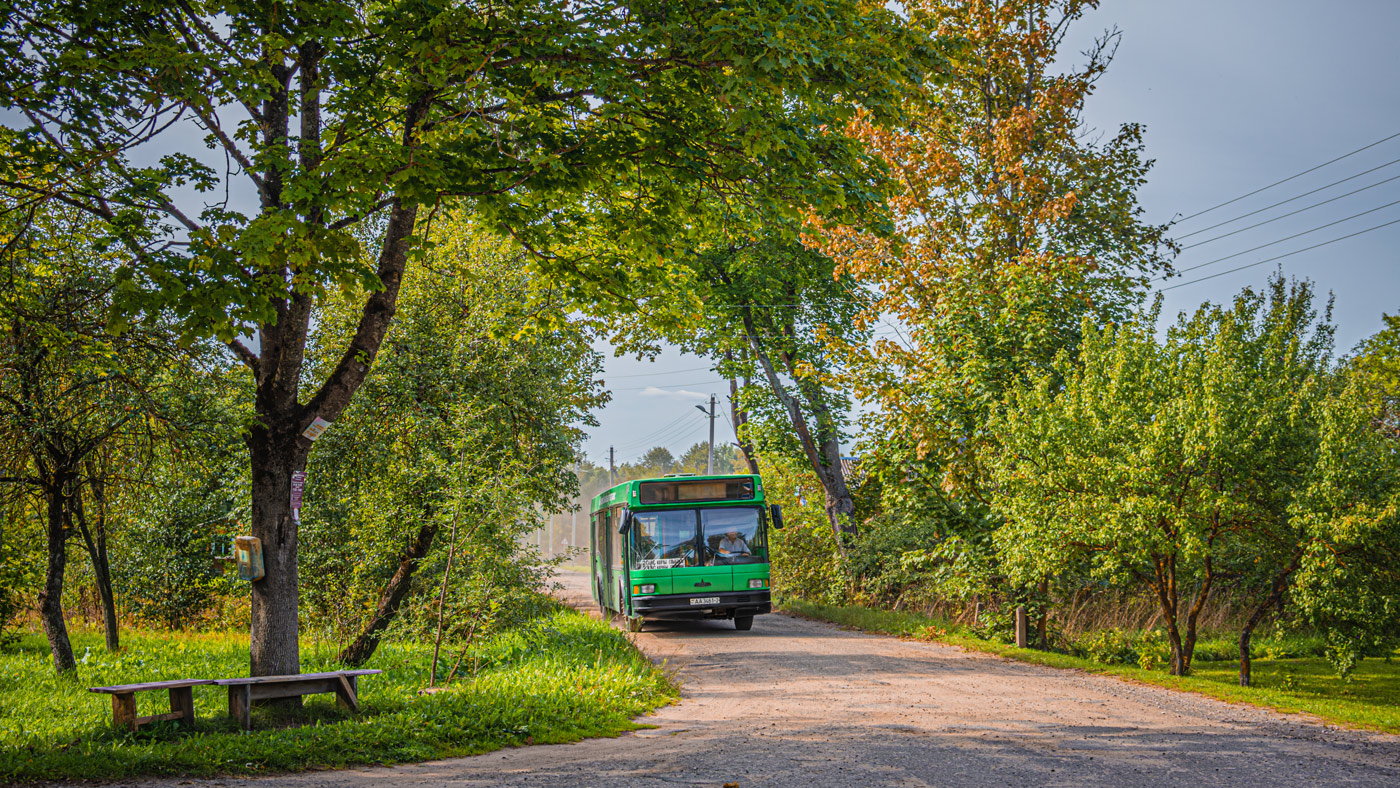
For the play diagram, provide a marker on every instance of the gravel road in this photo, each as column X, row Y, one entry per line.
column 802, row 704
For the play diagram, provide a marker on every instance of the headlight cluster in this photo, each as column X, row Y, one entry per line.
column 758, row 582
column 647, row 588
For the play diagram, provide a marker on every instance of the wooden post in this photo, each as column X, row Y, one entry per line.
column 240, row 705
column 124, row 710
column 346, row 693
column 1020, row 626
column 182, row 703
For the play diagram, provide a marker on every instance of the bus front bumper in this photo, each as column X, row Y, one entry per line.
column 731, row 604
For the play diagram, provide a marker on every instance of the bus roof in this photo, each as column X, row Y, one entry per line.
column 630, row 493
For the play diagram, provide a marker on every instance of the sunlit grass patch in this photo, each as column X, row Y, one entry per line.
column 562, row 678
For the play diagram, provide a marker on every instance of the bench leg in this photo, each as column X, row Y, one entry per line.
column 182, row 703
column 240, row 705
column 347, row 693
column 124, row 710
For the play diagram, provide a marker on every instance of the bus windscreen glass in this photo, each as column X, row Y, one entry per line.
column 697, row 490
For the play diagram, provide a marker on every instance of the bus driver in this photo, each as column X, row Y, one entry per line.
column 733, row 545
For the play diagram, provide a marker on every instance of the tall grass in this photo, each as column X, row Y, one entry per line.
column 561, row 678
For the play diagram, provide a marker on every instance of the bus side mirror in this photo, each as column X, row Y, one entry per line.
column 626, row 524
column 777, row 515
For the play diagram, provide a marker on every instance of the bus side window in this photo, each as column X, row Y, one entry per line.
column 615, row 539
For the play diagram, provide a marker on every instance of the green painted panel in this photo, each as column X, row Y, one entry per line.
column 689, row 580
column 743, row 573
column 661, row 577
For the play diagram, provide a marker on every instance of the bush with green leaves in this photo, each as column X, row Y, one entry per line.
column 420, row 497
column 1144, row 648
column 1224, row 457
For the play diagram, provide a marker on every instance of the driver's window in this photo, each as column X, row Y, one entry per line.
column 733, row 536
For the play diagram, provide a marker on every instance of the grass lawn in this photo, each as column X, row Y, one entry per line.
column 562, row 678
column 1371, row 699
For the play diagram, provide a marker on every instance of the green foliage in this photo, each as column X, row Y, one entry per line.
column 1121, row 647
column 165, row 568
column 1350, row 510
column 695, row 459
column 804, row 559
column 1376, row 366
column 657, row 461
column 467, row 425
column 13, row 581
column 559, row 679
column 1014, row 224
column 616, row 116
column 1171, row 465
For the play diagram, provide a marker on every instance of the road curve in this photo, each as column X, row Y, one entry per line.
column 802, row 704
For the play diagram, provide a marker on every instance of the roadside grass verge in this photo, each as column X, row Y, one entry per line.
column 1369, row 699
column 561, row 678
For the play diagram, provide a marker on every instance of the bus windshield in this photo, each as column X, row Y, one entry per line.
column 733, row 536
column 662, row 540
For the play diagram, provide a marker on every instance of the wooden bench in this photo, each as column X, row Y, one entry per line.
column 242, row 692
column 124, row 702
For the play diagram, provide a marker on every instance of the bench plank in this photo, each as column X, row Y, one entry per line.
column 294, row 677
column 121, row 689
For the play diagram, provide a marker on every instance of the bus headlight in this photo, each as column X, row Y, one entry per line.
column 649, row 588
column 757, row 582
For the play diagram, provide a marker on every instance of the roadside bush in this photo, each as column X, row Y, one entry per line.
column 1145, row 649
column 805, row 563
column 878, row 561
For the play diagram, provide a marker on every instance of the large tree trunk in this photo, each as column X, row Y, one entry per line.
column 274, row 639
column 51, row 598
column 840, row 505
column 358, row 652
column 740, row 417
column 278, row 447
column 823, row 451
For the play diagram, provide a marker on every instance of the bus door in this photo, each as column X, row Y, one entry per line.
column 600, row 557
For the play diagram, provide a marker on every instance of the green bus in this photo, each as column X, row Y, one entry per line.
column 683, row 547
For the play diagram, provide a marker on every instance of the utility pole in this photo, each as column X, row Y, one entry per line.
column 612, row 466
column 710, row 458
column 573, row 514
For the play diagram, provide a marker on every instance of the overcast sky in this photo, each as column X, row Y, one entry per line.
column 1235, row 95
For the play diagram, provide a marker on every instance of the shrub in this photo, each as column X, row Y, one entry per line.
column 1122, row 647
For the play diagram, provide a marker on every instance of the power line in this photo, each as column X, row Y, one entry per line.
column 678, row 437
column 651, row 435
column 649, row 374
column 1288, row 238
column 1292, row 213
column 1280, row 257
column 673, row 385
column 661, row 440
column 1289, row 178
column 1292, row 199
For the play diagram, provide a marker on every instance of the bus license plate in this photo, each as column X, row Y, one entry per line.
column 704, row 600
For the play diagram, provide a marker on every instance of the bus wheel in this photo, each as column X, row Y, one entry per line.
column 743, row 623
column 634, row 623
